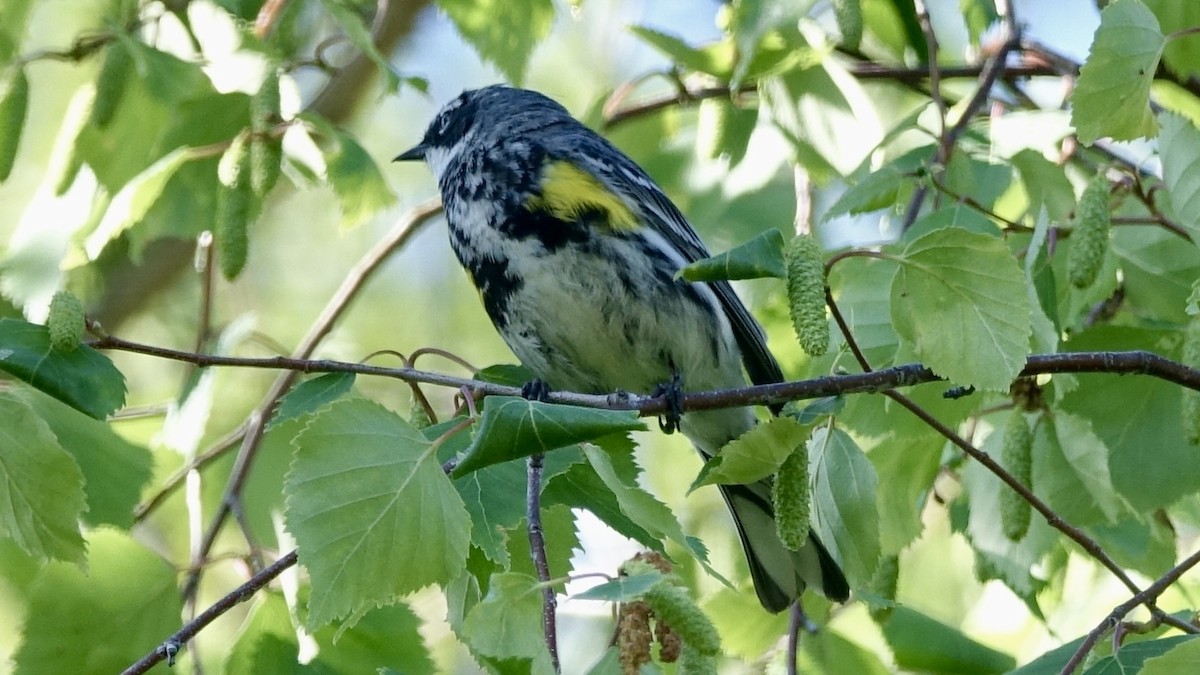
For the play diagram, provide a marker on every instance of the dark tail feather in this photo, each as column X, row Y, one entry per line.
column 780, row 574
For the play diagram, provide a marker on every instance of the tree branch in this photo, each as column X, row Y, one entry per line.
column 1145, row 597
column 537, row 551
column 171, row 646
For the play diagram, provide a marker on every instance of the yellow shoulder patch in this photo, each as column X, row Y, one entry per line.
column 567, row 192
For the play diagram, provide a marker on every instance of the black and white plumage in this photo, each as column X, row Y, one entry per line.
column 574, row 250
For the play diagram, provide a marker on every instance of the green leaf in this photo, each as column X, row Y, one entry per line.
column 746, row 630
column 1179, row 147
column 1007, row 560
column 754, row 455
column 1179, row 658
column 877, row 190
column 845, row 517
column 14, row 106
column 352, row 174
column 312, row 395
column 495, row 497
column 1131, row 657
column 920, row 643
column 266, row 643
column 640, row 507
column 1130, row 414
column 561, row 541
column 1112, row 97
column 41, row 484
column 723, row 129
column 512, row 427
column 1157, row 272
column 716, row 59
column 114, row 470
column 752, row 21
column 505, row 373
column 760, row 257
column 621, row 589
column 906, row 466
column 504, row 33
column 581, row 487
column 979, row 15
column 861, row 288
column 1182, row 55
column 507, row 623
column 1071, row 471
column 82, row 378
column 102, row 620
column 134, row 200
column 1046, row 184
column 358, row 31
column 973, row 286
column 364, row 486
column 385, row 637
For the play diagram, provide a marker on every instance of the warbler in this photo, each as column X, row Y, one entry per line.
column 574, row 250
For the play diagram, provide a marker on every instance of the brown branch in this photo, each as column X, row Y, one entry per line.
column 537, row 551
column 171, row 646
column 906, row 375
column 1145, row 597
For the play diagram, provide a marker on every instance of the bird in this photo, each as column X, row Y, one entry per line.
column 575, row 250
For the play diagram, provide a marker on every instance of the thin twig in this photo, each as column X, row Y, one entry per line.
column 905, row 375
column 537, row 551
column 1145, row 597
column 171, row 646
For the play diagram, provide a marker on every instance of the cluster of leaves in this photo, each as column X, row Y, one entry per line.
column 994, row 258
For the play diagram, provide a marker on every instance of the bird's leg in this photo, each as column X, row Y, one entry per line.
column 535, row 390
column 672, row 393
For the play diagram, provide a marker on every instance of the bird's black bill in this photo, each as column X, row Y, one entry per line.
column 413, row 153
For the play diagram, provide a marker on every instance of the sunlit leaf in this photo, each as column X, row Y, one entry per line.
column 754, row 455
column 973, row 286
column 1179, row 147
column 760, row 257
column 504, row 33
column 373, row 514
column 41, row 484
column 114, row 470
column 1112, row 97
column 845, row 516
column 130, row 205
